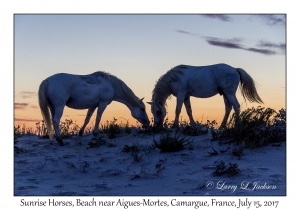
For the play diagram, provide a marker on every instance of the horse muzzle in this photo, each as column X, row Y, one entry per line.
column 158, row 124
column 146, row 123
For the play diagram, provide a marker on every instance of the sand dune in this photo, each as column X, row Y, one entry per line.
column 43, row 168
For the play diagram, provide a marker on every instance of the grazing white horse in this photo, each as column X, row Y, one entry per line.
column 91, row 91
column 184, row 81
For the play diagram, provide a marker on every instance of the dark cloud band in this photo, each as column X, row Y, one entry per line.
column 231, row 43
column 20, row 105
column 234, row 43
column 272, row 20
column 225, row 18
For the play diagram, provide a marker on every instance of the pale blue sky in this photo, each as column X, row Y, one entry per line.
column 140, row 48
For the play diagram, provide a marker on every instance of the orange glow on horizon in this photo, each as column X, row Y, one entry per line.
column 203, row 110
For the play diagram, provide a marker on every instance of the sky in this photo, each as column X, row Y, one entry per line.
column 138, row 49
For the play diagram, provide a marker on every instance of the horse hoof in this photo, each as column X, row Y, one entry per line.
column 175, row 126
column 80, row 133
column 60, row 142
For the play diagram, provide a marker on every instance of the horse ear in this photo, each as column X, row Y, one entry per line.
column 150, row 103
column 142, row 99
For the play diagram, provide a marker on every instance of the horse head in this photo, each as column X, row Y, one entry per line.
column 139, row 113
column 159, row 112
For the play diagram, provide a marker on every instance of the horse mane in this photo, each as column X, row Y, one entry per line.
column 162, row 89
column 119, row 85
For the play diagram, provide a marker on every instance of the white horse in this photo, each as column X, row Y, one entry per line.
column 202, row 82
column 91, row 91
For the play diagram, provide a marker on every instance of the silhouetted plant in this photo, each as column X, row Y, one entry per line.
column 254, row 127
column 151, row 129
column 184, row 127
column 212, row 126
column 23, row 130
column 136, row 149
column 41, row 129
column 111, row 128
column 232, row 169
column 17, row 133
column 68, row 128
column 98, row 141
column 192, row 129
column 169, row 143
column 221, row 169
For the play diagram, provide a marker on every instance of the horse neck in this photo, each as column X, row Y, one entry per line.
column 162, row 91
column 160, row 98
column 124, row 98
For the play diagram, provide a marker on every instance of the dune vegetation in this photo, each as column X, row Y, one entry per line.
column 253, row 127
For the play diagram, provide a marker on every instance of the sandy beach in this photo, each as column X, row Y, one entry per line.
column 43, row 168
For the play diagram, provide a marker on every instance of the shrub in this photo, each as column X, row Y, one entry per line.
column 23, row 130
column 17, row 133
column 111, row 128
column 184, row 127
column 97, row 141
column 221, row 168
column 68, row 129
column 254, row 127
column 135, row 150
column 41, row 129
column 127, row 128
column 192, row 129
column 170, row 143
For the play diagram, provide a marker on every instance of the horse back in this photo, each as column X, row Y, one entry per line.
column 205, row 81
column 79, row 91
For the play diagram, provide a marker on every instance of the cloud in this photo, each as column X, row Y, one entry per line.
column 20, row 105
column 273, row 20
column 27, row 94
column 280, row 46
column 186, row 32
column 224, row 43
column 24, row 106
column 27, row 120
column 34, row 107
column 234, row 44
column 262, row 51
column 225, row 18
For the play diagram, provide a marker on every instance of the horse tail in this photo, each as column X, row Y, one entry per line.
column 44, row 106
column 247, row 86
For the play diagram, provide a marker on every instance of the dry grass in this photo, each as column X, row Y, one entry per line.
column 254, row 127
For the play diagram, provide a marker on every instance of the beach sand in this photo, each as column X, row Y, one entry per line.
column 43, row 168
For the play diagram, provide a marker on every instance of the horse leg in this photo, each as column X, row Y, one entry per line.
column 234, row 102
column 228, row 108
column 187, row 104
column 87, row 119
column 56, row 115
column 101, row 108
column 178, row 110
